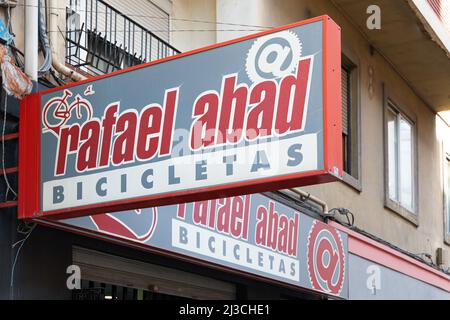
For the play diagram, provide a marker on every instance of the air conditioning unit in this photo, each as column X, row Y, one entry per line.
column 441, row 257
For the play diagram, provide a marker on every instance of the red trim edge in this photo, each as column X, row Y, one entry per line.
column 332, row 97
column 8, row 204
column 10, row 136
column 29, row 149
column 372, row 250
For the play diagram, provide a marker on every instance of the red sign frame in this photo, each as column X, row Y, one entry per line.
column 30, row 126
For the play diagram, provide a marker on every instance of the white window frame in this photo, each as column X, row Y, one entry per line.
column 446, row 195
column 395, row 205
column 350, row 62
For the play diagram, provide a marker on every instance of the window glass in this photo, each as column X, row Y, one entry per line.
column 448, row 195
column 345, row 103
column 400, row 157
column 349, row 107
column 392, row 153
column 406, row 164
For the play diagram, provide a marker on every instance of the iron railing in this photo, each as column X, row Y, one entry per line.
column 100, row 39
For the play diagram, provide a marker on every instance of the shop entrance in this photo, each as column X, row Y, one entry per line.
column 92, row 290
column 106, row 276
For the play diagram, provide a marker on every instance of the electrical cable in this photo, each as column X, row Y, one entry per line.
column 21, row 242
column 426, row 255
column 345, row 212
column 386, row 243
column 160, row 30
column 302, row 202
column 44, row 43
column 44, row 81
column 8, row 185
column 350, row 224
column 17, row 50
column 156, row 17
column 58, row 80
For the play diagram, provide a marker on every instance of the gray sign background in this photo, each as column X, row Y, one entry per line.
column 162, row 237
column 193, row 74
column 392, row 284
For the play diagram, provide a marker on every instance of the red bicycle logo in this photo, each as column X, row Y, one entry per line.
column 58, row 111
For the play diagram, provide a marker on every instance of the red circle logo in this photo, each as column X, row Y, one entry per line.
column 326, row 258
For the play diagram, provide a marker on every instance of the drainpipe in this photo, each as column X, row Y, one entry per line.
column 56, row 63
column 306, row 195
column 31, row 39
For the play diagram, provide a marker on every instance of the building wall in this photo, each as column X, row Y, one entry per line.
column 183, row 12
column 17, row 21
column 367, row 205
column 140, row 11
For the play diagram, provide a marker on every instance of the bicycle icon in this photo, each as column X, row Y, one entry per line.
column 58, row 111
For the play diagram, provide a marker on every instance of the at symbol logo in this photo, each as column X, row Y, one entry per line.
column 326, row 261
column 58, row 111
column 273, row 56
column 121, row 224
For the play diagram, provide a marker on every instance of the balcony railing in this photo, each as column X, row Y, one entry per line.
column 100, row 39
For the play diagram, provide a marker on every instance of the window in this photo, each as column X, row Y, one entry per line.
column 401, row 162
column 350, row 123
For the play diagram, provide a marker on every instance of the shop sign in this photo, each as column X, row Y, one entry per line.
column 251, row 234
column 373, row 281
column 253, row 114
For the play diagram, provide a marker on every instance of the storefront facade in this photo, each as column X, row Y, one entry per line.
column 165, row 264
column 217, row 235
column 379, row 271
column 174, row 250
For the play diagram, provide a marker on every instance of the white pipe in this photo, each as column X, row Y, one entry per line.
column 56, row 63
column 31, row 39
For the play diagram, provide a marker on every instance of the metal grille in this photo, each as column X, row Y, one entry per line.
column 345, row 100
column 91, row 290
column 345, row 79
column 101, row 39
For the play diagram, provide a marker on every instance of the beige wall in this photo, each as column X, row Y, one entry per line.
column 17, row 22
column 367, row 205
column 182, row 13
